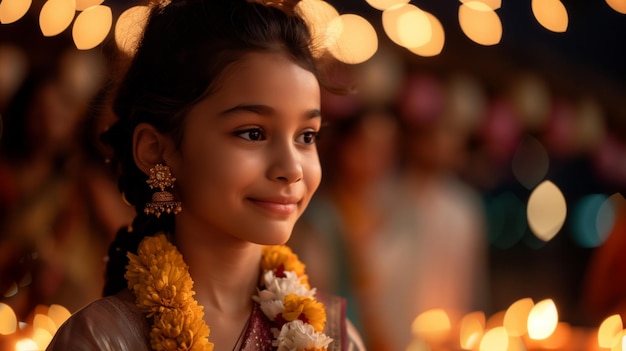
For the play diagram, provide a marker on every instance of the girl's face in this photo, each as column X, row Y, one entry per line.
column 248, row 163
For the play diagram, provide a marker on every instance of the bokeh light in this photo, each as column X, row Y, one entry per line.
column 617, row 5
column 593, row 217
column 434, row 46
column 516, row 317
column 26, row 345
column 542, row 319
column 82, row 5
column 92, row 26
column 385, row 4
column 318, row 15
column 471, row 330
column 8, row 320
column 551, row 14
column 357, row 41
column 58, row 314
column 407, row 25
column 546, row 210
column 530, row 162
column 432, row 325
column 129, row 28
column 609, row 331
column 495, row 339
column 493, row 4
column 56, row 16
column 12, row 10
column 480, row 23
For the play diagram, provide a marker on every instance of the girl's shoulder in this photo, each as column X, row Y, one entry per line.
column 110, row 323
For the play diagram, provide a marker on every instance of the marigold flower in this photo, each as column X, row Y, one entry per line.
column 306, row 309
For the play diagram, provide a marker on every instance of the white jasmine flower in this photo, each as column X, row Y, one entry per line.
column 297, row 335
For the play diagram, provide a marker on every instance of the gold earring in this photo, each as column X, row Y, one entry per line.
column 162, row 201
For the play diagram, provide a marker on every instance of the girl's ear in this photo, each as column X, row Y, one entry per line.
column 149, row 146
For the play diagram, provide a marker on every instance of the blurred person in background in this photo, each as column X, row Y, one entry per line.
column 352, row 210
column 402, row 233
column 56, row 206
column 448, row 244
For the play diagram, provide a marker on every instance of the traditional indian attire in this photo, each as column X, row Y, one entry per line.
column 115, row 323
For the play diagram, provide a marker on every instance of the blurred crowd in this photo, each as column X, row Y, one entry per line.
column 426, row 175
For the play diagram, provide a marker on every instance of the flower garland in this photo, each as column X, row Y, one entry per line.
column 164, row 292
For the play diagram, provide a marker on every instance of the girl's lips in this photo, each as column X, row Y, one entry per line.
column 282, row 208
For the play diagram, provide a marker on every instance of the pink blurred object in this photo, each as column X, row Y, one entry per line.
column 421, row 99
column 501, row 129
column 560, row 130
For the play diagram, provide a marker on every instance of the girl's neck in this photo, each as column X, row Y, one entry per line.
column 226, row 273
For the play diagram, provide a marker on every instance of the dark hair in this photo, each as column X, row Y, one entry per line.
column 186, row 47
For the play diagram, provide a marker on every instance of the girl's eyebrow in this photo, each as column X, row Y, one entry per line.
column 265, row 110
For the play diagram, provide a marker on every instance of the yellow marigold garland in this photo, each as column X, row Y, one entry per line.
column 164, row 292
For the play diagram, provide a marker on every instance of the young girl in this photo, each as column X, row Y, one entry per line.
column 218, row 116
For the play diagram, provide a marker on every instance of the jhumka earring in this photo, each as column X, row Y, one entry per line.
column 162, row 201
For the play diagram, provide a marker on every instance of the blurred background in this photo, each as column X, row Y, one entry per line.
column 479, row 161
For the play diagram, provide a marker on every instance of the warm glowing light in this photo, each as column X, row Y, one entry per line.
column 546, row 210
column 26, row 345
column 12, row 10
column 493, row 4
column 495, row 339
column 432, row 325
column 385, row 4
column 414, row 28
column 319, row 14
column 530, row 162
column 56, row 16
column 407, row 25
column 542, row 320
column 42, row 321
column 129, row 28
column 516, row 317
column 418, row 345
column 437, row 39
column 42, row 338
column 551, row 14
column 82, row 5
column 610, row 329
column 92, row 26
column 471, row 330
column 58, row 314
column 495, row 320
column 617, row 5
column 480, row 23
column 558, row 339
column 8, row 320
column 357, row 41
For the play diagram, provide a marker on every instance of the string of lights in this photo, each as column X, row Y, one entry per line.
column 349, row 36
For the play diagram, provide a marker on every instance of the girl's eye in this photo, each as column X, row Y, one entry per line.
column 308, row 138
column 254, row 134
